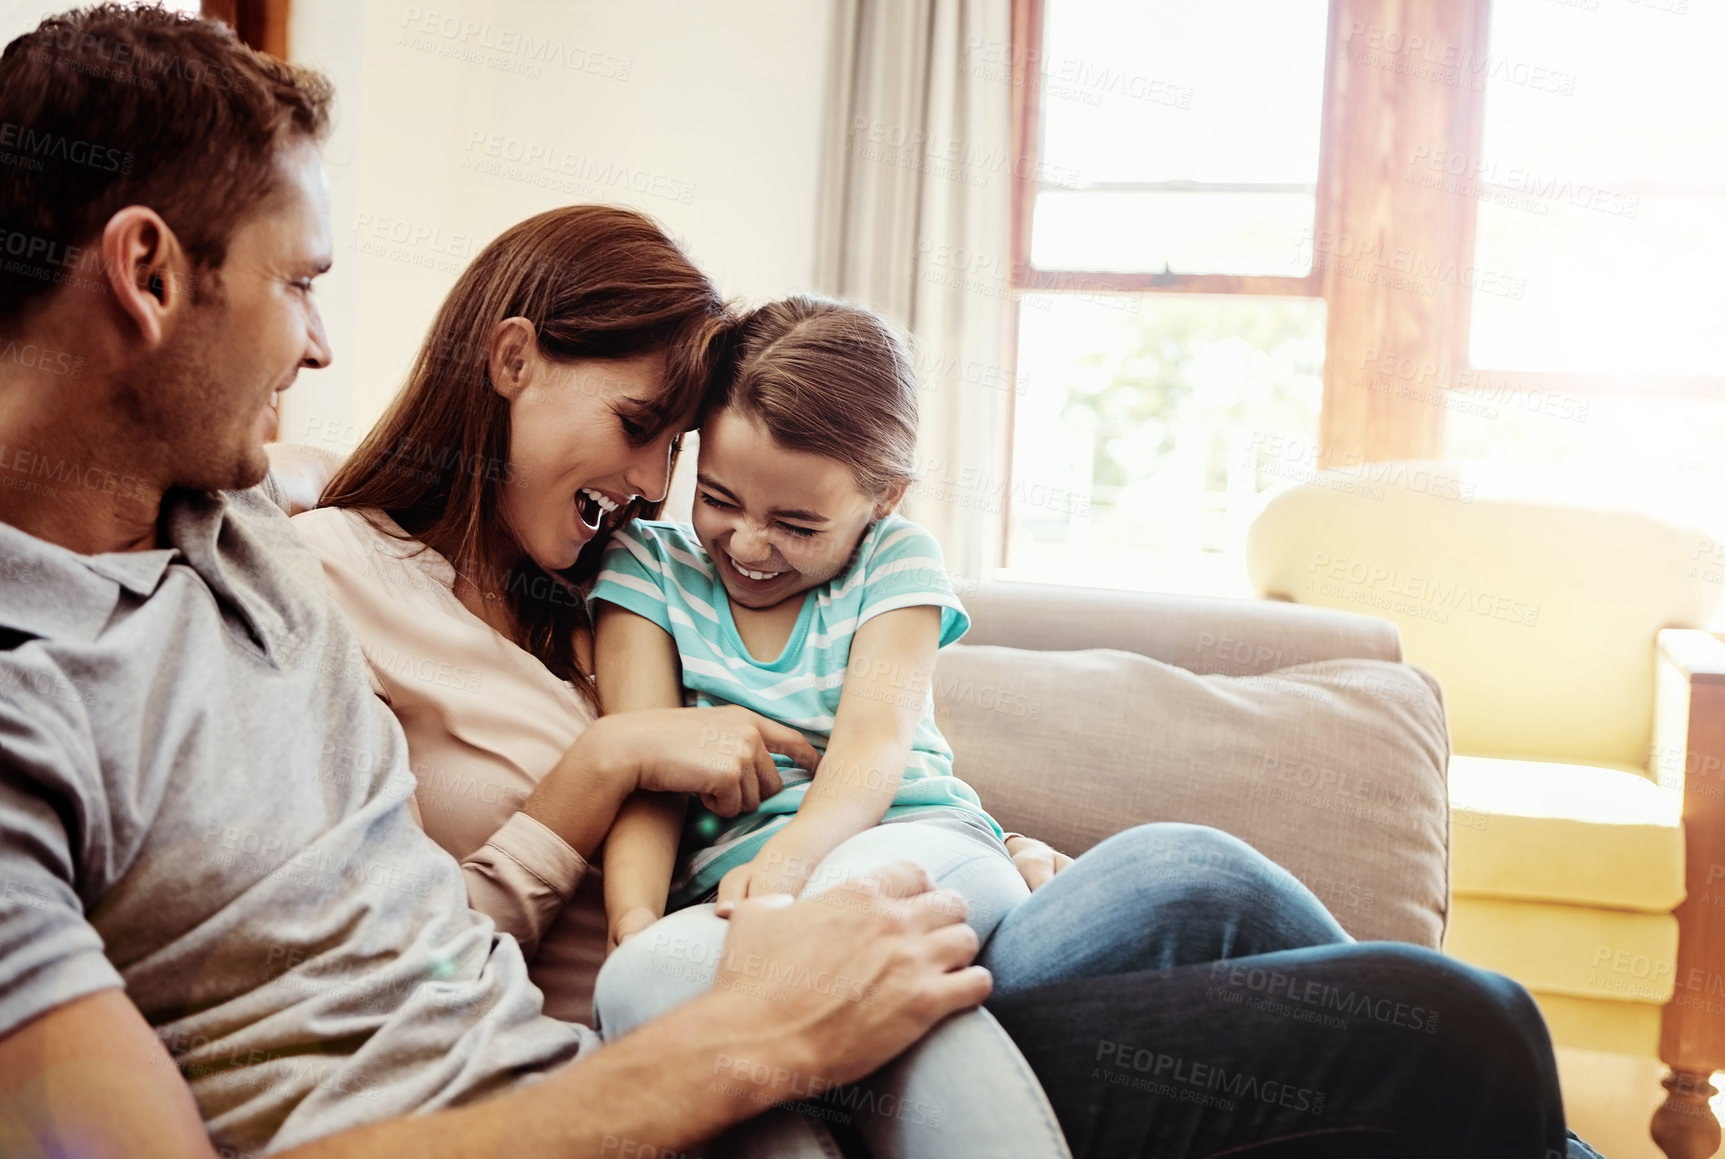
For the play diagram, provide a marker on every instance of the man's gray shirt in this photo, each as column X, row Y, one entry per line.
column 201, row 800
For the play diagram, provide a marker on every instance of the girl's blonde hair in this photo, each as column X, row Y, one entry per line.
column 829, row 379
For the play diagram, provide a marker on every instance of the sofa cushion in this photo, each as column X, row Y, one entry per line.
column 1333, row 769
column 1581, row 834
column 1612, row 955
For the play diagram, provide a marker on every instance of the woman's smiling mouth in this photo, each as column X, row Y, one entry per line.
column 591, row 506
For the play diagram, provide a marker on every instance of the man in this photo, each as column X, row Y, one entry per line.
column 217, row 917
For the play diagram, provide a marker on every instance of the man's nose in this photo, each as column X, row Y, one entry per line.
column 317, row 353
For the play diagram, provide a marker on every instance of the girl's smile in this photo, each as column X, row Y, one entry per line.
column 776, row 522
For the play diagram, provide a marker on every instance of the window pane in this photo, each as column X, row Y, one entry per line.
column 1134, row 94
column 1604, row 203
column 1146, row 428
column 1171, row 90
column 1208, row 233
column 1602, row 293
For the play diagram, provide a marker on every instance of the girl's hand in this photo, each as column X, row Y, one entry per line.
column 765, row 874
column 1037, row 861
column 630, row 923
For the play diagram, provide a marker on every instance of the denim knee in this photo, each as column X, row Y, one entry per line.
column 1227, row 887
column 1487, row 1004
column 1193, row 864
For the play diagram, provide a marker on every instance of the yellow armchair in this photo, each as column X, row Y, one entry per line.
column 1587, row 717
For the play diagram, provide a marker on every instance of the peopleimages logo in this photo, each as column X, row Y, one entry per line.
column 59, row 147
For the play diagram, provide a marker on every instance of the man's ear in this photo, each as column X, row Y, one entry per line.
column 146, row 268
column 513, row 341
column 889, row 502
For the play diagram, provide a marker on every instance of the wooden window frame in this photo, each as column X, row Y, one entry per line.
column 1027, row 28
column 1359, row 193
column 263, row 24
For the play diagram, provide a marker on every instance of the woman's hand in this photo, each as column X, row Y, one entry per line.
column 1037, row 861
column 724, row 756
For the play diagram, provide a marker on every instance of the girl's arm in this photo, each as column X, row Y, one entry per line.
column 637, row 666
column 886, row 684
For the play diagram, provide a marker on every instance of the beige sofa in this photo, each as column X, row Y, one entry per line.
column 1077, row 713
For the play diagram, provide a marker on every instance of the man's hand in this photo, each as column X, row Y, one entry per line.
column 854, row 975
column 1037, row 861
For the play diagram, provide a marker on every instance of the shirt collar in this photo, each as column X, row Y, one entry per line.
column 53, row 592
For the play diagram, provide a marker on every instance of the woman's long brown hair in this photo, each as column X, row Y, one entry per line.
column 596, row 282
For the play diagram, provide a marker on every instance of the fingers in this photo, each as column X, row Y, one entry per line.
column 733, row 909
column 937, row 908
column 953, row 947
column 733, row 888
column 897, row 879
column 1035, row 873
column 749, row 781
column 1035, row 867
column 962, row 989
column 725, row 794
column 764, row 776
column 783, row 739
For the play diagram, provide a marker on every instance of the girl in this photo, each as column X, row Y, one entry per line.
column 797, row 593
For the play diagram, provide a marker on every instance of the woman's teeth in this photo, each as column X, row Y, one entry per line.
column 754, row 575
column 605, row 504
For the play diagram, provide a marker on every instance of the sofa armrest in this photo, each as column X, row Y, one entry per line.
column 1199, row 633
column 1689, row 756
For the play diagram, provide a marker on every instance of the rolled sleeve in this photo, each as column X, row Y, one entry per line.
column 522, row 877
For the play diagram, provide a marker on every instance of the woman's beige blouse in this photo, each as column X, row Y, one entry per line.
column 484, row 722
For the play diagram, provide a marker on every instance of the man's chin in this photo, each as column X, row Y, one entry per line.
column 244, row 470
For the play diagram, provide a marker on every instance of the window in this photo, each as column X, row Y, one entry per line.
column 1607, row 198
column 1178, row 144
column 1605, row 194
column 1171, row 342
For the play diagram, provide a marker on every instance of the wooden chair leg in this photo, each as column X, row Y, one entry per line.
column 1684, row 1126
column 1692, row 1025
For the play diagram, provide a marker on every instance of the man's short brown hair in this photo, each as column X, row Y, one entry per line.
column 111, row 106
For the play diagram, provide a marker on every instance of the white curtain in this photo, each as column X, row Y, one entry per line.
column 916, row 222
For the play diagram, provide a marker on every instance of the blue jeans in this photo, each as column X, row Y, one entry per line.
column 1179, row 995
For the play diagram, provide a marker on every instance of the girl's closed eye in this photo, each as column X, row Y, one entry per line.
column 718, row 504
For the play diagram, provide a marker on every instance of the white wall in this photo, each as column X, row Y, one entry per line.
column 712, row 111
column 707, row 116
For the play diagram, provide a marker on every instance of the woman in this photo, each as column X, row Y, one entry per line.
column 543, row 411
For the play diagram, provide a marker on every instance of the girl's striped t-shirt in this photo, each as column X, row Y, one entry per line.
column 659, row 570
